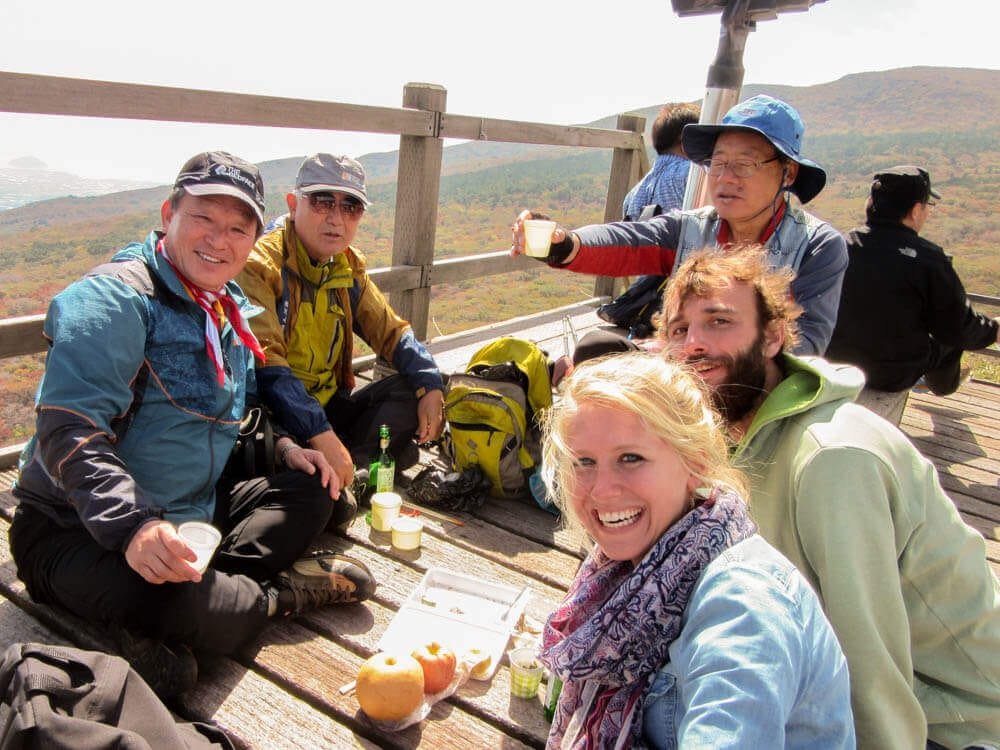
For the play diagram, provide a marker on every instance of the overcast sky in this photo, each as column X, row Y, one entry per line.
column 558, row 61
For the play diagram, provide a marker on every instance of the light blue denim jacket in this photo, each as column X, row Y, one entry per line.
column 756, row 664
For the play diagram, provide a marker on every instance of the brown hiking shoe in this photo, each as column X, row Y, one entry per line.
column 324, row 578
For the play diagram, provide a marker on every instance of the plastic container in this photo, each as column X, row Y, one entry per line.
column 385, row 510
column 406, row 532
column 201, row 537
column 538, row 237
column 525, row 673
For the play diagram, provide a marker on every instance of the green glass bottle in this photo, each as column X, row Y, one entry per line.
column 552, row 691
column 382, row 471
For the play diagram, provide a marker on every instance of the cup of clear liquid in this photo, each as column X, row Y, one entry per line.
column 201, row 537
column 538, row 237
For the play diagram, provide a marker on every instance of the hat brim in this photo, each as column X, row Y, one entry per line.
column 214, row 188
column 308, row 189
column 699, row 142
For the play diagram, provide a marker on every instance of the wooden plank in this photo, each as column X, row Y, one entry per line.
column 53, row 95
column 511, row 131
column 20, row 336
column 454, row 270
column 417, row 188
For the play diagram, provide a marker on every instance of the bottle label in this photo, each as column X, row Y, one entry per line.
column 385, row 478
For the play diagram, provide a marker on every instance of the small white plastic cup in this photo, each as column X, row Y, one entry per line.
column 385, row 510
column 538, row 237
column 525, row 672
column 201, row 537
column 406, row 532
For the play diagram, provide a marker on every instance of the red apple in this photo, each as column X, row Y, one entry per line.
column 390, row 686
column 438, row 663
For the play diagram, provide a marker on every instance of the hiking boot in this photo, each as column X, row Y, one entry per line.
column 323, row 578
column 344, row 511
column 168, row 669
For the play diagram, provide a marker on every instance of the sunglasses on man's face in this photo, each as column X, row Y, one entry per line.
column 324, row 203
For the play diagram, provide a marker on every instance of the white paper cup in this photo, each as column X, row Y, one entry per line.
column 385, row 510
column 538, row 237
column 201, row 537
column 406, row 532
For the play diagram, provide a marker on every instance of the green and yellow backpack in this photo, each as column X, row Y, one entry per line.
column 492, row 410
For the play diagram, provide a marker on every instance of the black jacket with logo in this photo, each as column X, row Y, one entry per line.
column 899, row 292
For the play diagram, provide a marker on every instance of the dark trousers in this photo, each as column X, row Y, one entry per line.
column 356, row 419
column 944, row 374
column 267, row 524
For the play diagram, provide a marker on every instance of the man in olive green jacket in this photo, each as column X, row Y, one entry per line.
column 848, row 499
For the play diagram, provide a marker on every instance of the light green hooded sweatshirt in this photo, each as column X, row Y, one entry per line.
column 904, row 581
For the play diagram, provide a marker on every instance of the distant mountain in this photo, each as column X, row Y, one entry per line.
column 28, row 179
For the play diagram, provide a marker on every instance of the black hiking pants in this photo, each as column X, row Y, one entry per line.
column 267, row 523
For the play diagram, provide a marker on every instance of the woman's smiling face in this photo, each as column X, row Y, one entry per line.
column 629, row 485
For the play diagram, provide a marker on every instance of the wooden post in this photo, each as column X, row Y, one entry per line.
column 627, row 168
column 418, row 186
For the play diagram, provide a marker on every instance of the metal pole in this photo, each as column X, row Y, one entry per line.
column 725, row 80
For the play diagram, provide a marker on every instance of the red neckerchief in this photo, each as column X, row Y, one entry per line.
column 723, row 237
column 219, row 307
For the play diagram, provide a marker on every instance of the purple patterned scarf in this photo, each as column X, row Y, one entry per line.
column 612, row 633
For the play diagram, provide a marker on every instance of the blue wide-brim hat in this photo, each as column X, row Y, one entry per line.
column 772, row 119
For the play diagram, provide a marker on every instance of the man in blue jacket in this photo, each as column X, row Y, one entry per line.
column 149, row 367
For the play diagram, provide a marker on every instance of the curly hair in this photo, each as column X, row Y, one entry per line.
column 668, row 398
column 712, row 269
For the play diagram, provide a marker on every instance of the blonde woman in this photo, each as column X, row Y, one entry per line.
column 683, row 627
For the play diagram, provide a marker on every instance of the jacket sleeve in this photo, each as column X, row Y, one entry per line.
column 851, row 534
column 816, row 288
column 294, row 410
column 97, row 330
column 390, row 336
column 747, row 653
column 261, row 281
column 953, row 322
column 628, row 248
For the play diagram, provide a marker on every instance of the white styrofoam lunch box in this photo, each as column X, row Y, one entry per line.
column 459, row 611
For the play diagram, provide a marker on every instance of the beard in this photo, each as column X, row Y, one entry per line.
column 743, row 389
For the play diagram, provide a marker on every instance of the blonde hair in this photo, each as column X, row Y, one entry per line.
column 712, row 269
column 668, row 398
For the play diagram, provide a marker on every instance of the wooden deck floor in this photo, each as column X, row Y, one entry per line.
column 282, row 691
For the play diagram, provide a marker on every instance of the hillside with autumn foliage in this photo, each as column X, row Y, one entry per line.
column 942, row 118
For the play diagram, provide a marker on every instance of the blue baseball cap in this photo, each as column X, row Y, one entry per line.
column 771, row 119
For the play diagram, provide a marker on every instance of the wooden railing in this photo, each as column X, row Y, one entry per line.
column 422, row 124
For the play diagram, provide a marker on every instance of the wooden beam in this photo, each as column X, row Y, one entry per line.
column 52, row 95
column 417, row 188
column 511, row 131
column 453, row 270
column 20, row 336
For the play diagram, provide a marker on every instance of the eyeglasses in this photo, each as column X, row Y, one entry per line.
column 741, row 168
column 324, row 203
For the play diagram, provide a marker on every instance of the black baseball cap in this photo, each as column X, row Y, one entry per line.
column 902, row 186
column 221, row 173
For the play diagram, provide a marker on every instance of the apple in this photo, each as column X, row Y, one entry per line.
column 481, row 663
column 438, row 663
column 390, row 686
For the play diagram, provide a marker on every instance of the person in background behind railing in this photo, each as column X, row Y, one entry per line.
column 683, row 627
column 149, row 365
column 662, row 187
column 848, row 499
column 316, row 294
column 753, row 158
column 903, row 310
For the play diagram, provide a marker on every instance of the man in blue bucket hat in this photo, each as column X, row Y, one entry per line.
column 753, row 160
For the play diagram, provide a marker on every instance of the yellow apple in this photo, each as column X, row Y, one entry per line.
column 390, row 686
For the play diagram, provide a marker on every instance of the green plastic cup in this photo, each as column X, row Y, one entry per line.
column 525, row 673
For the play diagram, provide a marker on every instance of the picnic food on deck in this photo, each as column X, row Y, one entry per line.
column 390, row 686
column 438, row 663
column 481, row 664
